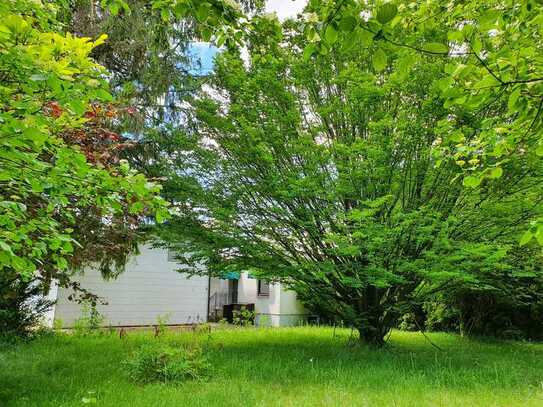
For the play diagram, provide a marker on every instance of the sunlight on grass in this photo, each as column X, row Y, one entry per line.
column 281, row 367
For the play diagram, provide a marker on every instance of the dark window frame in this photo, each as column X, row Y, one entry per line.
column 263, row 292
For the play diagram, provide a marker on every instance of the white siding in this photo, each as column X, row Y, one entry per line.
column 150, row 287
column 280, row 308
column 49, row 316
column 247, row 289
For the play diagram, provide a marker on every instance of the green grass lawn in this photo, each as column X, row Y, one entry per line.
column 280, row 367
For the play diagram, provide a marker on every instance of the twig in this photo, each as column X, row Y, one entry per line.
column 425, row 336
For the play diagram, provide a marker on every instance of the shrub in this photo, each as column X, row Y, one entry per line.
column 167, row 364
column 243, row 317
column 441, row 315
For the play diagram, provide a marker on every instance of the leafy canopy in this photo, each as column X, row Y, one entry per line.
column 48, row 82
column 493, row 53
column 330, row 176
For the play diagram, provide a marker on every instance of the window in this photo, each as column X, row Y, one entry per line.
column 263, row 288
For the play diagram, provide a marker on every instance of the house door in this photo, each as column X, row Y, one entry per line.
column 233, row 291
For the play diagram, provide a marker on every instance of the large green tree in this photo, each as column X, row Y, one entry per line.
column 65, row 200
column 493, row 52
column 328, row 175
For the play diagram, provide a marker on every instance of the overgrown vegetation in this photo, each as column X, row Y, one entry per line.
column 338, row 177
column 381, row 159
column 167, row 364
column 22, row 307
column 243, row 317
column 278, row 367
column 90, row 320
column 66, row 199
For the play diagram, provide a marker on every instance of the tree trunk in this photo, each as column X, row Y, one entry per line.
column 371, row 336
column 373, row 330
column 374, row 322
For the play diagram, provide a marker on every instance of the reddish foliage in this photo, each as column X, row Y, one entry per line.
column 95, row 139
column 53, row 109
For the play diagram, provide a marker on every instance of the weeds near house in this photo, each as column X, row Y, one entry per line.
column 243, row 317
column 161, row 323
column 90, row 321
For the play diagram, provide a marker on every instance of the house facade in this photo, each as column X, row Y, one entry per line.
column 151, row 289
column 273, row 305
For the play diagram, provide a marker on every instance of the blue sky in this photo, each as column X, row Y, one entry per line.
column 205, row 52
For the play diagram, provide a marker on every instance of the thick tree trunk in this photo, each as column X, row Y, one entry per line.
column 373, row 330
column 374, row 319
column 372, row 337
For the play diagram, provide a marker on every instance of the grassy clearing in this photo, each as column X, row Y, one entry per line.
column 280, row 367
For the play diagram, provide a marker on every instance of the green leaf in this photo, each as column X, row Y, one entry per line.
column 202, row 12
column 136, row 207
column 313, row 35
column 436, row 48
column 62, row 263
column 496, row 172
column 331, row 34
column 37, row 137
column 347, row 23
column 36, row 185
column 162, row 214
column 539, row 150
column 513, row 97
column 308, row 52
column 78, row 107
column 164, row 14
column 114, row 8
column 526, row 237
column 5, row 247
column 476, row 45
column 488, row 81
column 206, row 34
column 472, row 181
column 366, row 37
column 379, row 60
column 455, row 35
column 180, row 10
column 104, row 95
column 386, row 12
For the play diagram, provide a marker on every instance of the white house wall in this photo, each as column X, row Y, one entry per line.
column 148, row 289
column 268, row 309
column 280, row 308
column 49, row 317
column 292, row 312
column 247, row 289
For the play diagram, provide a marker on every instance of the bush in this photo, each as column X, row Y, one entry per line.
column 167, row 364
column 503, row 300
column 243, row 317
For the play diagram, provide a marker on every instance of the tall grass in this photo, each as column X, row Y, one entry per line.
column 279, row 367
